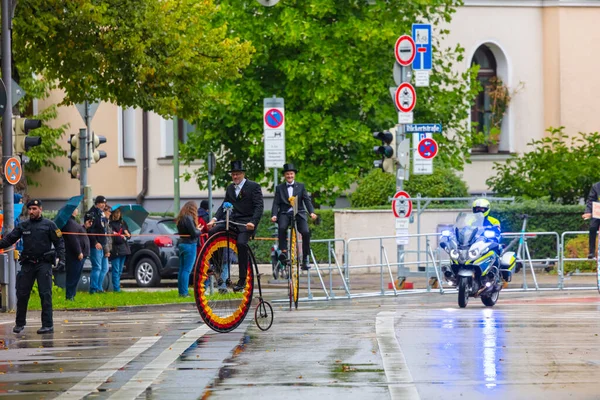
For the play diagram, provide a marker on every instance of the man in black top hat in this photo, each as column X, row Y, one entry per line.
column 37, row 259
column 247, row 200
column 282, row 211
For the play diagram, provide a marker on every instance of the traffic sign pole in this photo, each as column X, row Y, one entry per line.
column 7, row 150
column 401, row 172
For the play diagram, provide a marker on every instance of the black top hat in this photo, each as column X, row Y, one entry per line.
column 289, row 167
column 237, row 166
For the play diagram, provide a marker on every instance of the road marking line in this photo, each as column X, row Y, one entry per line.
column 91, row 382
column 143, row 379
column 400, row 381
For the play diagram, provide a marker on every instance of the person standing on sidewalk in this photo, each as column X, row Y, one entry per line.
column 77, row 246
column 97, row 242
column 188, row 244
column 593, row 196
column 282, row 212
column 119, row 247
column 37, row 259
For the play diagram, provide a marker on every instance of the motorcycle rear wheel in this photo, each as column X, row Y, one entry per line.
column 490, row 301
column 463, row 292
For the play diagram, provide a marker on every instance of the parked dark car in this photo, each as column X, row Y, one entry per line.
column 155, row 256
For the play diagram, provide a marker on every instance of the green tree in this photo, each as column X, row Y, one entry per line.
column 166, row 56
column 559, row 167
column 331, row 60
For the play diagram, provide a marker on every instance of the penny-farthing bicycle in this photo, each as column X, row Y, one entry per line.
column 294, row 260
column 223, row 309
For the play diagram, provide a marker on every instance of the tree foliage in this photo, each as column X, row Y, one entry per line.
column 165, row 56
column 558, row 167
column 331, row 60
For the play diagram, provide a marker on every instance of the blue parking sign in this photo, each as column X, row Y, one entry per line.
column 421, row 34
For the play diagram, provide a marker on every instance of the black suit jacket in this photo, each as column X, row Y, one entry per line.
column 248, row 206
column 281, row 203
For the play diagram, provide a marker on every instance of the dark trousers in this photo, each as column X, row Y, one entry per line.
column 594, row 225
column 42, row 272
column 242, row 244
column 284, row 220
column 74, row 268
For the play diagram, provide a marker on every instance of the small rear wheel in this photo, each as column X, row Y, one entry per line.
column 263, row 315
column 275, row 265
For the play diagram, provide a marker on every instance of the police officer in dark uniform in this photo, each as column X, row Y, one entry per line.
column 37, row 259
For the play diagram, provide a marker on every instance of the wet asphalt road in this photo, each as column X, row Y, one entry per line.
column 530, row 346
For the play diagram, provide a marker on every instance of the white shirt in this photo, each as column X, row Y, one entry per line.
column 290, row 189
column 238, row 188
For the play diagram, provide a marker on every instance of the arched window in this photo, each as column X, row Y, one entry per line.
column 480, row 112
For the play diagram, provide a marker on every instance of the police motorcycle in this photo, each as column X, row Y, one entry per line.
column 475, row 267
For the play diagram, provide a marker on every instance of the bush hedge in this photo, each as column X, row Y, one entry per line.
column 542, row 217
column 577, row 247
column 375, row 188
column 322, row 228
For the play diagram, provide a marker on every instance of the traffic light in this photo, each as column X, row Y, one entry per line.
column 74, row 156
column 21, row 127
column 97, row 140
column 386, row 151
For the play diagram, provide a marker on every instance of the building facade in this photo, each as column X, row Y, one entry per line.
column 543, row 50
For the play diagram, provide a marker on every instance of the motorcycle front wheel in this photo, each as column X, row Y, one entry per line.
column 490, row 301
column 463, row 292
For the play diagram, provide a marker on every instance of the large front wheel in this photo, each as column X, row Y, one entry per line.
column 490, row 301
column 463, row 292
column 224, row 309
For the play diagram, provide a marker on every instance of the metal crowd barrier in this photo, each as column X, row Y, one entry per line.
column 432, row 265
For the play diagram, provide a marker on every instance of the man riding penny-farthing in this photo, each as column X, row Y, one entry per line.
column 230, row 230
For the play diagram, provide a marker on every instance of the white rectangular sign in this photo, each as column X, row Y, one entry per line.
column 274, row 130
column 422, row 78
column 401, row 223
column 402, row 236
column 421, row 166
column 405, row 118
column 274, row 148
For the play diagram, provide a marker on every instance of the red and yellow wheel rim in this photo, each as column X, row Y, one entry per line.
column 219, row 323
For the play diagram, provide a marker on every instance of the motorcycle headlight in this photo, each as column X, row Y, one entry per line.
column 489, row 234
column 454, row 254
column 474, row 253
column 446, row 233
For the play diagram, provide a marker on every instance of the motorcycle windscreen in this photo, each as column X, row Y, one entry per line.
column 468, row 228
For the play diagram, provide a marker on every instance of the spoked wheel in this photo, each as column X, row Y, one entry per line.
column 222, row 309
column 463, row 292
column 295, row 268
column 490, row 301
column 263, row 315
